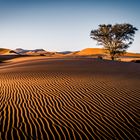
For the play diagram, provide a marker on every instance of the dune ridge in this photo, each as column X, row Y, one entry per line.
column 92, row 51
column 69, row 99
column 4, row 51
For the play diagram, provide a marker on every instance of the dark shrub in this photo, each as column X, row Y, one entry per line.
column 136, row 61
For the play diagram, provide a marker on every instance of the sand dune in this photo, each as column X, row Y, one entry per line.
column 69, row 99
column 4, row 51
column 91, row 51
column 96, row 52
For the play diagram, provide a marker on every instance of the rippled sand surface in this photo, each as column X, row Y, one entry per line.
column 69, row 99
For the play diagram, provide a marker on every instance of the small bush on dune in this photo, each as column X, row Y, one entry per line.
column 100, row 57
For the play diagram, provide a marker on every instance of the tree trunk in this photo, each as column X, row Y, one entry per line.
column 112, row 57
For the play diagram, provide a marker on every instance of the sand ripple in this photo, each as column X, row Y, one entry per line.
column 70, row 99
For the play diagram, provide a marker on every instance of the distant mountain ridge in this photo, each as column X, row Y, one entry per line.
column 20, row 50
column 85, row 52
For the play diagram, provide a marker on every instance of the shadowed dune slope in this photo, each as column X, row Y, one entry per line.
column 69, row 99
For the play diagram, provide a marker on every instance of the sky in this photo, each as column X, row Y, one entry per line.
column 62, row 25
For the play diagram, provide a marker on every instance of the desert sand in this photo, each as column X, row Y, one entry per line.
column 71, row 98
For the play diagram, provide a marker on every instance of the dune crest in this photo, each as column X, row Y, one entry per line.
column 4, row 51
column 91, row 51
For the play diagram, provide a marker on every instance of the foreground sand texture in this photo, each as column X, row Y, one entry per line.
column 69, row 99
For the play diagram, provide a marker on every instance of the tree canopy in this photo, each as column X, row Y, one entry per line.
column 114, row 38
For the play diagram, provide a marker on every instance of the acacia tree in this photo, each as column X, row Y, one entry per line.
column 114, row 38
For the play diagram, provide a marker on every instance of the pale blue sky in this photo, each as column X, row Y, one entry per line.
column 60, row 25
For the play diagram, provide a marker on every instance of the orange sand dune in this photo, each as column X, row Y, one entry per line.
column 91, row 51
column 100, row 51
column 69, row 99
column 132, row 54
column 4, row 51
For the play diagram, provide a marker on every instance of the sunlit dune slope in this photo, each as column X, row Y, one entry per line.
column 91, row 51
column 129, row 54
column 64, row 99
column 4, row 51
column 100, row 51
